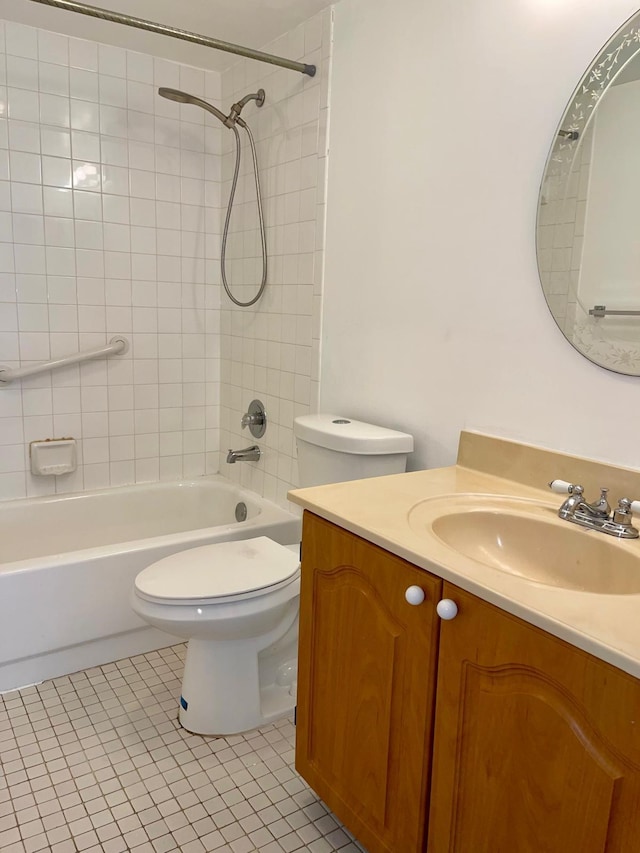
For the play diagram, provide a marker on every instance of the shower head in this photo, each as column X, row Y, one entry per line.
column 185, row 98
column 175, row 95
column 230, row 120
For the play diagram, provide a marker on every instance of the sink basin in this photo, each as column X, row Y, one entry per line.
column 527, row 539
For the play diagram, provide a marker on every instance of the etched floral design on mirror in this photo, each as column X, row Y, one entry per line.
column 588, row 227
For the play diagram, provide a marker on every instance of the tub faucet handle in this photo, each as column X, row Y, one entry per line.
column 249, row 420
column 255, row 419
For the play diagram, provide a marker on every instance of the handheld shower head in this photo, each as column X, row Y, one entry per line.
column 175, row 95
column 234, row 114
column 185, row 98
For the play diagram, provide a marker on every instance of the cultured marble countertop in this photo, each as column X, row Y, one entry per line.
column 378, row 509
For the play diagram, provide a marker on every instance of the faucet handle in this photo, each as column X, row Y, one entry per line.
column 623, row 518
column 622, row 515
column 255, row 419
column 628, row 505
column 250, row 420
column 562, row 487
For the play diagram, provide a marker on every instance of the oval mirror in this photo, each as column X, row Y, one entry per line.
column 588, row 229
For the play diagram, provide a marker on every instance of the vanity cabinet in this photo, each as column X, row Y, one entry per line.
column 535, row 746
column 366, row 684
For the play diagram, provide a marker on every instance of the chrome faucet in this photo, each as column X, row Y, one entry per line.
column 596, row 515
column 576, row 503
column 249, row 454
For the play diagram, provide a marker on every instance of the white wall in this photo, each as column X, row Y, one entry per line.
column 108, row 215
column 442, row 114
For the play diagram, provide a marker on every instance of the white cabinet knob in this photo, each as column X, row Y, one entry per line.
column 414, row 595
column 447, row 609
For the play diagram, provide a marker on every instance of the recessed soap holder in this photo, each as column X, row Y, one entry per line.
column 53, row 456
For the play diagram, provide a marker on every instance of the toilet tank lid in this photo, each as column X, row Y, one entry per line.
column 348, row 436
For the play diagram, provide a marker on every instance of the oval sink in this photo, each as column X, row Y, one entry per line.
column 527, row 539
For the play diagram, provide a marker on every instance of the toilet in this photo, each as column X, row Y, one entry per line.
column 237, row 602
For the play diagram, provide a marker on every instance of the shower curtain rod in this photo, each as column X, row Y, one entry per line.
column 174, row 32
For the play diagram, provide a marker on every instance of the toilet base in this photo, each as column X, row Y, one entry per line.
column 228, row 688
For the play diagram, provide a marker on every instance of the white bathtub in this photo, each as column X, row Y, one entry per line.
column 67, row 564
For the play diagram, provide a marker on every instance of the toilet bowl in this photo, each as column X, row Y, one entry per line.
column 237, row 602
column 237, row 605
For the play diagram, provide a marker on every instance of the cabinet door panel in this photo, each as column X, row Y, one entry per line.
column 536, row 746
column 366, row 678
column 356, row 753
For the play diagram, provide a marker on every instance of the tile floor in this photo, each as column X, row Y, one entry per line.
column 96, row 761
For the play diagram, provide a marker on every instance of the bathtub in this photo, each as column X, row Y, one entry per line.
column 67, row 564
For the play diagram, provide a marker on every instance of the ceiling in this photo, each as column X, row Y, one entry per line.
column 251, row 23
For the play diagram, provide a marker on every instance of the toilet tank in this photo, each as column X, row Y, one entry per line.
column 332, row 449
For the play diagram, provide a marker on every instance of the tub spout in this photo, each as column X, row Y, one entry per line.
column 249, row 454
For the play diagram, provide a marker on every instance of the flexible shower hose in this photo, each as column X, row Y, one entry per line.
column 225, row 233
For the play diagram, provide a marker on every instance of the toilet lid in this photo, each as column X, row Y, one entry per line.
column 219, row 570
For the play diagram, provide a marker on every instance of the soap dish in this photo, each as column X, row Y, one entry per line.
column 53, row 456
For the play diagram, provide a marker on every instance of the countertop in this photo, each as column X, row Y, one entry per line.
column 377, row 509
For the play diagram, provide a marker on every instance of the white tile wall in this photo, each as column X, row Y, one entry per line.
column 272, row 351
column 109, row 224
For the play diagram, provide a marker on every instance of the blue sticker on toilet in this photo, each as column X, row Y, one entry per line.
column 184, row 703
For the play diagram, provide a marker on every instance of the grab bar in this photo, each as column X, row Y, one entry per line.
column 602, row 310
column 116, row 346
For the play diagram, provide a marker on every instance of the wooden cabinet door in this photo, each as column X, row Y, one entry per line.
column 537, row 744
column 366, row 678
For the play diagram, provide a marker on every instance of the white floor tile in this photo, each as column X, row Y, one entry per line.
column 96, row 761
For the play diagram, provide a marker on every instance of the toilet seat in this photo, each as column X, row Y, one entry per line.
column 223, row 572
